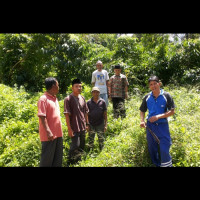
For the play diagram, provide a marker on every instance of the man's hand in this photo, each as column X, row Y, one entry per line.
column 50, row 135
column 142, row 124
column 70, row 132
column 87, row 128
column 153, row 119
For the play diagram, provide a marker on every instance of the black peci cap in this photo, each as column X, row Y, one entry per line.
column 76, row 81
column 117, row 67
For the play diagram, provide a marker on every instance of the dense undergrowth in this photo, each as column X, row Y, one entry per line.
column 125, row 142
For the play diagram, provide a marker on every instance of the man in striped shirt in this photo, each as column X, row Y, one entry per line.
column 118, row 92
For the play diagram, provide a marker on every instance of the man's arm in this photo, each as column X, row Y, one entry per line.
column 93, row 80
column 109, row 89
column 126, row 92
column 87, row 121
column 164, row 115
column 142, row 122
column 70, row 131
column 46, row 127
column 107, row 83
column 105, row 120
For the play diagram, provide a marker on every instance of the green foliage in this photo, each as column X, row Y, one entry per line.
column 19, row 144
column 27, row 59
column 125, row 141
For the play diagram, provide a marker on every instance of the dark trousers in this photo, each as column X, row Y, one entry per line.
column 76, row 147
column 100, row 133
column 119, row 107
column 52, row 153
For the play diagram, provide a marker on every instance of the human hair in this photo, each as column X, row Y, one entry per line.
column 154, row 78
column 49, row 82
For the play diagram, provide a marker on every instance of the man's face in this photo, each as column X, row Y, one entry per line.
column 55, row 88
column 154, row 86
column 117, row 71
column 77, row 88
column 99, row 66
column 95, row 94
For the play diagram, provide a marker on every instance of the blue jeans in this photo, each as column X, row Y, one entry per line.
column 105, row 97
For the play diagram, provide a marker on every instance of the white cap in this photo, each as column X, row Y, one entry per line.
column 99, row 62
column 95, row 89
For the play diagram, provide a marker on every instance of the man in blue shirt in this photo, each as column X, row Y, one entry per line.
column 160, row 106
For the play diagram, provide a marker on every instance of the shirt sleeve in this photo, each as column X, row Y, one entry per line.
column 126, row 81
column 42, row 108
column 170, row 101
column 93, row 78
column 66, row 106
column 104, row 106
column 143, row 106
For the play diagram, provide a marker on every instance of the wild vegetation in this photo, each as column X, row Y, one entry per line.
column 27, row 59
column 125, row 143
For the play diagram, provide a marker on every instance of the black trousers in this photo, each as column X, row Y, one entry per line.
column 52, row 153
column 119, row 107
column 76, row 147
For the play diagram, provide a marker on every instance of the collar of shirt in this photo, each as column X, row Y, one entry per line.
column 52, row 96
column 118, row 75
column 94, row 101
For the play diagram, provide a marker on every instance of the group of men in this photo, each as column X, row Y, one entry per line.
column 91, row 116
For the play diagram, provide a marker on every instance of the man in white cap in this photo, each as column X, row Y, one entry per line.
column 100, row 79
column 97, row 117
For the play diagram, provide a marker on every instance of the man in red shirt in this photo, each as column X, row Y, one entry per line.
column 50, row 128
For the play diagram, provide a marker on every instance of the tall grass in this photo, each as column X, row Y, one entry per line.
column 125, row 142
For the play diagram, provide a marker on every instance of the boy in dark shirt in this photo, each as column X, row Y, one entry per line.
column 75, row 110
column 97, row 118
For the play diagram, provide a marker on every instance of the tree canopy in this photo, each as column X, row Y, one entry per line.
column 27, row 59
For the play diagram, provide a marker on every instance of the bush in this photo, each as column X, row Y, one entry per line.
column 125, row 142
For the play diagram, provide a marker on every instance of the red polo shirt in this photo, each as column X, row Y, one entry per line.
column 48, row 106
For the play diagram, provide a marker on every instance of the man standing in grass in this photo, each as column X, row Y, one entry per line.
column 75, row 110
column 100, row 79
column 160, row 106
column 50, row 129
column 97, row 118
column 118, row 92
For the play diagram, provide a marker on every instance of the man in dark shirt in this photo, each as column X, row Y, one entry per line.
column 75, row 110
column 97, row 117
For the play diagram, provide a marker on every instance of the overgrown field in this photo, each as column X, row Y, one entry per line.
column 125, row 144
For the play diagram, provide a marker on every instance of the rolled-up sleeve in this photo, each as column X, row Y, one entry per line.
column 66, row 106
column 143, row 106
column 42, row 106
